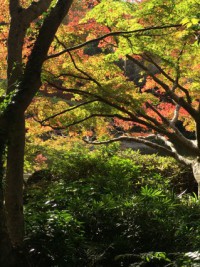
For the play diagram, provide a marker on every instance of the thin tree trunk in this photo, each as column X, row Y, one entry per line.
column 14, row 180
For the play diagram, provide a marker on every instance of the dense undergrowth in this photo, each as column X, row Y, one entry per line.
column 109, row 208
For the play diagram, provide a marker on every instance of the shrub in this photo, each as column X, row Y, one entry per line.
column 110, row 208
column 112, row 163
column 53, row 235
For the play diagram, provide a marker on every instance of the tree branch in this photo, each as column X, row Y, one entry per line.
column 176, row 115
column 179, row 100
column 90, row 78
column 132, row 116
column 67, row 75
column 35, row 10
column 31, row 77
column 14, row 7
column 84, row 119
column 83, row 72
column 98, row 97
column 67, row 110
column 141, row 140
column 174, row 150
column 72, row 75
column 179, row 136
column 150, row 60
column 112, row 34
column 176, row 137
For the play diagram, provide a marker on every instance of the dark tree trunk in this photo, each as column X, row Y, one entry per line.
column 14, row 179
column 12, row 123
column 5, row 243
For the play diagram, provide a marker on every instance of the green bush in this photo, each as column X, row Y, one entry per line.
column 110, row 208
column 83, row 162
column 53, row 235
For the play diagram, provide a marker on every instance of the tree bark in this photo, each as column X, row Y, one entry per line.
column 196, row 172
column 5, row 243
column 14, row 179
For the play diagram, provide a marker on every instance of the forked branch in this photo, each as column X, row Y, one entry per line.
column 35, row 10
column 179, row 100
column 166, row 75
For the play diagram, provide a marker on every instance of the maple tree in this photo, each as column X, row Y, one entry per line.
column 160, row 40
column 89, row 62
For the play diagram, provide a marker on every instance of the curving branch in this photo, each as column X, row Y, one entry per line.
column 72, row 75
column 170, row 123
column 169, row 150
column 67, row 110
column 176, row 137
column 143, row 119
column 66, row 74
column 132, row 116
column 88, row 77
column 82, row 120
column 118, row 33
column 97, row 115
column 83, row 72
column 96, row 96
column 135, row 117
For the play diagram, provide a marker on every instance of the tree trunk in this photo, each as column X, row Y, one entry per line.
column 14, row 179
column 5, row 243
column 28, row 81
column 196, row 172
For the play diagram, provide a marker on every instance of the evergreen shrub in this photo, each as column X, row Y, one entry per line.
column 111, row 208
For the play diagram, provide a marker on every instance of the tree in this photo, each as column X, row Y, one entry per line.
column 168, row 54
column 23, row 81
column 90, row 63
